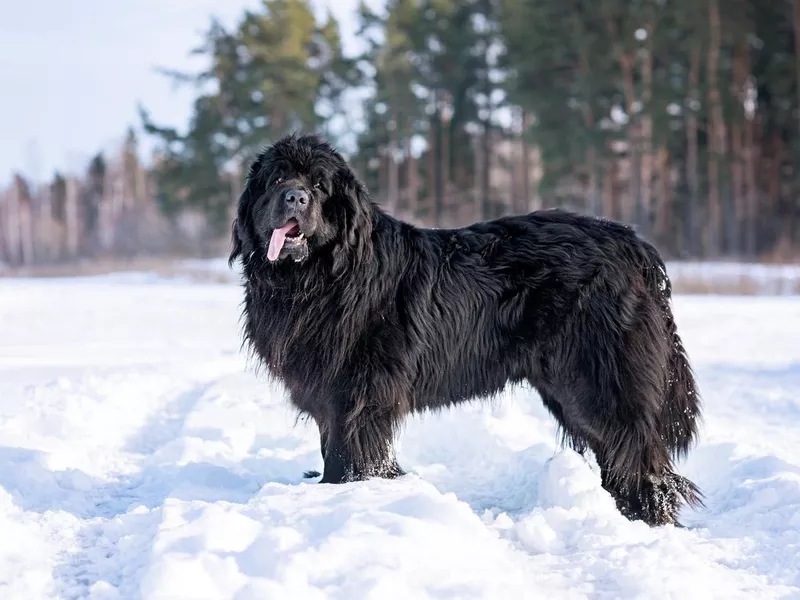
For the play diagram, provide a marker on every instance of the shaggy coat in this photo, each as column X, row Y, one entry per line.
column 366, row 319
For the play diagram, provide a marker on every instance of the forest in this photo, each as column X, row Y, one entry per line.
column 681, row 117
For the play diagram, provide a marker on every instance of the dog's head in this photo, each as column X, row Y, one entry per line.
column 300, row 197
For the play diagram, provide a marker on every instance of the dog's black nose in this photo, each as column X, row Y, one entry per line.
column 294, row 197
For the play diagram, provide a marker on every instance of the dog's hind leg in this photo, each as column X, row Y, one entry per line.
column 638, row 472
column 612, row 385
column 570, row 436
column 635, row 447
column 641, row 480
column 635, row 467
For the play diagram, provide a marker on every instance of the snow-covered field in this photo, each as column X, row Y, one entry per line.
column 735, row 278
column 140, row 458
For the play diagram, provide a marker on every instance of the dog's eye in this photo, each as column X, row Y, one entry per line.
column 279, row 180
column 318, row 186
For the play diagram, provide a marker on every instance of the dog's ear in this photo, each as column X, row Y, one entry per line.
column 241, row 240
column 236, row 243
column 355, row 220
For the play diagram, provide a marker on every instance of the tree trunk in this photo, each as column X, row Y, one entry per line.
column 737, row 177
column 592, row 191
column 772, row 200
column 486, row 156
column 383, row 176
column 444, row 164
column 73, row 233
column 716, row 131
column 526, row 164
column 751, row 199
column 412, row 180
column 736, row 221
column 26, row 229
column 477, row 200
column 626, row 62
column 593, row 205
column 612, row 208
column 516, row 200
column 692, row 166
column 630, row 202
column 663, row 225
column 142, row 191
column 4, row 200
column 430, row 182
column 439, row 163
column 392, row 174
column 13, row 236
column 645, row 196
column 794, row 208
column 276, row 121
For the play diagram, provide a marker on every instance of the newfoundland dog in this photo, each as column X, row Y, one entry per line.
column 366, row 319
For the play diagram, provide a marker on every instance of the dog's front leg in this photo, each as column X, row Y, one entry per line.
column 359, row 448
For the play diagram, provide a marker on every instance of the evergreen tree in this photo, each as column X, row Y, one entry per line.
column 277, row 71
column 680, row 117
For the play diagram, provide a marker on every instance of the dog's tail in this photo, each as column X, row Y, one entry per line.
column 680, row 411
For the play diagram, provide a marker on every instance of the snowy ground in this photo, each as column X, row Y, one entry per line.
column 139, row 458
column 735, row 278
column 694, row 277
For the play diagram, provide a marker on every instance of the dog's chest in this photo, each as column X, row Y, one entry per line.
column 293, row 337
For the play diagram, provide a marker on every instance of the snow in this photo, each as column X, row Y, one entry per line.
column 140, row 457
column 736, row 277
column 704, row 277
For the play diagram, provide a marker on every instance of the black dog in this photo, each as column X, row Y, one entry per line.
column 366, row 319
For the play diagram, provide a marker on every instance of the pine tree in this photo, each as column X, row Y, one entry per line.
column 277, row 71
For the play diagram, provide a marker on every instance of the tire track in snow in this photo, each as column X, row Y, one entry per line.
column 121, row 516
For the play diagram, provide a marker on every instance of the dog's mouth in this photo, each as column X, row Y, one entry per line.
column 287, row 236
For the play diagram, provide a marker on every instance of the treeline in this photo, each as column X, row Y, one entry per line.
column 112, row 210
column 680, row 116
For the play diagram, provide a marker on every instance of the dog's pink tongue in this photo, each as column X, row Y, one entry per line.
column 277, row 239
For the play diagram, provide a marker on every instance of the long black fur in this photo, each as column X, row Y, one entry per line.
column 382, row 319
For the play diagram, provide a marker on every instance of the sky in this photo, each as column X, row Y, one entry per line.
column 72, row 74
